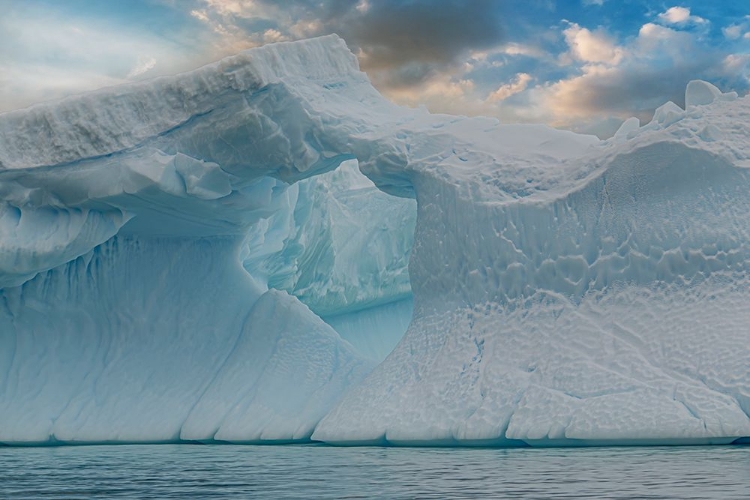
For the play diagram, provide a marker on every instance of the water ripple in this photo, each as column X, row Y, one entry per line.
column 311, row 472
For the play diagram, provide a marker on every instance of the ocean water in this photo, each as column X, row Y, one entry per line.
column 313, row 471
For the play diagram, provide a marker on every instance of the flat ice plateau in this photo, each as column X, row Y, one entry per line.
column 267, row 250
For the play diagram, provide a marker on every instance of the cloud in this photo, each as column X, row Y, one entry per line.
column 143, row 65
column 591, row 47
column 47, row 55
column 732, row 32
column 736, row 64
column 519, row 49
column 675, row 15
column 680, row 15
column 652, row 37
column 737, row 30
column 519, row 84
column 400, row 44
column 392, row 33
column 652, row 68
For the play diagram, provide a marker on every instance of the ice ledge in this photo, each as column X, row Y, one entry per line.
column 117, row 118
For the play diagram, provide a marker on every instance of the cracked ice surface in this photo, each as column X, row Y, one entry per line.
column 168, row 249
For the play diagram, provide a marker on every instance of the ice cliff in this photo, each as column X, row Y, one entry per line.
column 199, row 258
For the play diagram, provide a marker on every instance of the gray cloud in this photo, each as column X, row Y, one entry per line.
column 643, row 82
column 405, row 41
column 395, row 33
column 640, row 88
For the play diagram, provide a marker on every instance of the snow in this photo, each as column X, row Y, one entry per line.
column 200, row 258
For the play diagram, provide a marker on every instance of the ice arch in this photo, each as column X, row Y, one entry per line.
column 165, row 257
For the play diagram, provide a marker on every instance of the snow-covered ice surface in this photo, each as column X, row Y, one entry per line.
column 168, row 249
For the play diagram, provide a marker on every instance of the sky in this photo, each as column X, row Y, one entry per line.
column 583, row 65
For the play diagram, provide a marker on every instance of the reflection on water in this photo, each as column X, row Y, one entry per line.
column 275, row 472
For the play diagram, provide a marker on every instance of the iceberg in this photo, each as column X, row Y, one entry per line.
column 267, row 250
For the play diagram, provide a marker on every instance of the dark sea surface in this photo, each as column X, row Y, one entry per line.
column 314, row 471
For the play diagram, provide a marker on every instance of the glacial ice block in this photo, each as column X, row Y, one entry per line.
column 126, row 314
column 169, row 248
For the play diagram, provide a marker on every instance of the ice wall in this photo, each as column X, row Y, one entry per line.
column 168, row 249
column 602, row 304
column 157, row 340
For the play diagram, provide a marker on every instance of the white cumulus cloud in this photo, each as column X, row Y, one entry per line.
column 680, row 15
column 591, row 46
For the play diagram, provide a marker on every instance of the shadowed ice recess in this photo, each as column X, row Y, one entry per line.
column 266, row 250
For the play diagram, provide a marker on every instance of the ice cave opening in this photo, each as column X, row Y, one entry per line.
column 342, row 249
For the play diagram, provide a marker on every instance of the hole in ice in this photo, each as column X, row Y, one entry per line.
column 344, row 252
